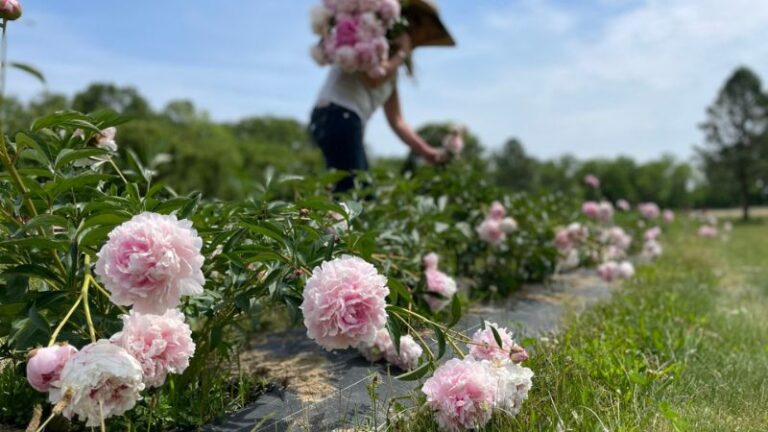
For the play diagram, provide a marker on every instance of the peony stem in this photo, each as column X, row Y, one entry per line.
column 45, row 423
column 64, row 321
column 105, row 292
column 84, row 295
column 101, row 417
column 120, row 173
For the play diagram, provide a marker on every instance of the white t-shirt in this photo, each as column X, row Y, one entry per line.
column 349, row 91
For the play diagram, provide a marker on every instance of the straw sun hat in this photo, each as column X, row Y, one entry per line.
column 426, row 28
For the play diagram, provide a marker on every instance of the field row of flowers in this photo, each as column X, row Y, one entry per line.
column 122, row 292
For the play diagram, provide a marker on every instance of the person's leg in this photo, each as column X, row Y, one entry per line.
column 339, row 134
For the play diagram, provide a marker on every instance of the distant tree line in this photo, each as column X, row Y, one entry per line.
column 182, row 144
column 220, row 159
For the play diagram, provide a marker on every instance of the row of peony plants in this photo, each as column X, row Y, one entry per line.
column 70, row 198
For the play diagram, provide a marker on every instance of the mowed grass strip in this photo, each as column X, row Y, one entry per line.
column 683, row 347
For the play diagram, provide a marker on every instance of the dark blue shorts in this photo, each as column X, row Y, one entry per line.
column 339, row 134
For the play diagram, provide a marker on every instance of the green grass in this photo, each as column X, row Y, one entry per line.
column 683, row 347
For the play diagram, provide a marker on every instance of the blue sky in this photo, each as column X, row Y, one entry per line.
column 588, row 77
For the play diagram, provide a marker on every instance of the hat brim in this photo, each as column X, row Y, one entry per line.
column 431, row 31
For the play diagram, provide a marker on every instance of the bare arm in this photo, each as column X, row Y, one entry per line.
column 403, row 130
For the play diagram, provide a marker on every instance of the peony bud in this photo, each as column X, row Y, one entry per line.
column 10, row 10
column 45, row 364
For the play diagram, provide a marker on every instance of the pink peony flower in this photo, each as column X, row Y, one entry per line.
column 45, row 364
column 151, row 261
column 383, row 348
column 346, row 58
column 389, row 10
column 161, row 343
column 591, row 209
column 10, row 10
column 652, row 234
column 612, row 253
column 490, row 231
column 668, row 216
column 346, row 31
column 605, row 211
column 485, row 347
column 431, row 260
column 497, row 211
column 508, row 225
column 608, row 271
column 462, row 393
column 651, row 249
column 369, row 28
column 376, row 350
column 106, row 139
column 563, row 239
column 592, row 181
column 616, row 236
column 612, row 270
column 100, row 379
column 623, row 205
column 410, row 352
column 344, row 303
column 367, row 58
column 707, row 231
column 649, row 210
column 442, row 287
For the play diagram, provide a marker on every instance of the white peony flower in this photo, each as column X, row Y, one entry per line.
column 102, row 379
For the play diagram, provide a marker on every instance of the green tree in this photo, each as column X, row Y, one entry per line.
column 513, row 168
column 123, row 100
column 736, row 130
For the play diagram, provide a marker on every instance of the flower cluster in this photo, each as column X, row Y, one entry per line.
column 651, row 246
column 497, row 225
column 383, row 348
column 465, row 393
column 707, row 231
column 615, row 243
column 602, row 211
column 353, row 33
column 484, row 345
column 649, row 210
column 440, row 287
column 623, row 205
column 568, row 241
column 148, row 262
column 613, row 270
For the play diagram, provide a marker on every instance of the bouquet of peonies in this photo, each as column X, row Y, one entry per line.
column 353, row 33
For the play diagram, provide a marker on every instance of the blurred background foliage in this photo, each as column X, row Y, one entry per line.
column 223, row 160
